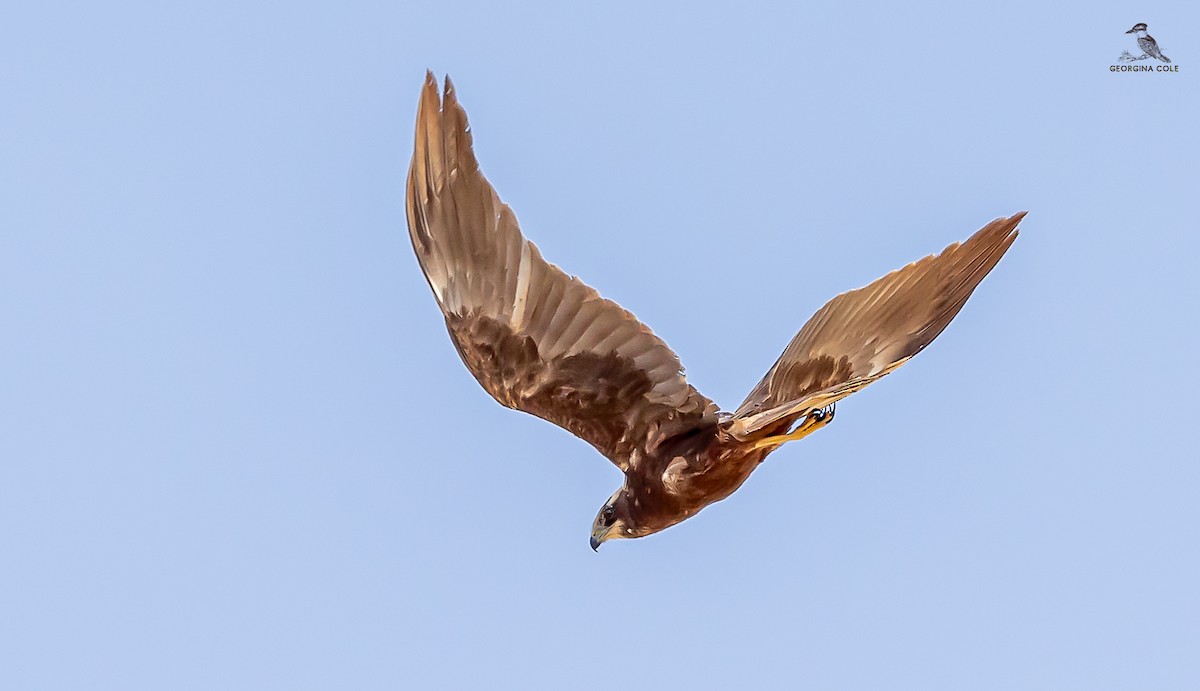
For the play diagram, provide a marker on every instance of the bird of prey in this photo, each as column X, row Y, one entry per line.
column 543, row 342
column 1147, row 43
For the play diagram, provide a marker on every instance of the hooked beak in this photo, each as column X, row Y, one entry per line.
column 600, row 534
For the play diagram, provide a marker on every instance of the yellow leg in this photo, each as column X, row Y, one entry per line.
column 813, row 422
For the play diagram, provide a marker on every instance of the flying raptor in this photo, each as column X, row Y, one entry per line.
column 546, row 343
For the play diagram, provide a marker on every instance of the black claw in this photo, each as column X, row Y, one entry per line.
column 823, row 414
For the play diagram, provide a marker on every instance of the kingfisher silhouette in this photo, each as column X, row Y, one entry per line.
column 1147, row 43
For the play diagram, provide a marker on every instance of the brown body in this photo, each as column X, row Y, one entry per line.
column 545, row 343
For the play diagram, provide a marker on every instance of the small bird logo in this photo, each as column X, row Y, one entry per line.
column 1147, row 43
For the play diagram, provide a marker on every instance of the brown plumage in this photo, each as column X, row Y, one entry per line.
column 545, row 343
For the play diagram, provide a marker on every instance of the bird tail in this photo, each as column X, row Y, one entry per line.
column 1164, row 58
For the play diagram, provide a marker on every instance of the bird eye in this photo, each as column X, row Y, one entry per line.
column 607, row 515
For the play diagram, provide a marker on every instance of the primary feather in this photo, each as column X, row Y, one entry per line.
column 537, row 339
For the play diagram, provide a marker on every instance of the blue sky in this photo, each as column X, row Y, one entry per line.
column 238, row 451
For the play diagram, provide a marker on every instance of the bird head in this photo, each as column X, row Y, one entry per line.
column 614, row 521
column 1136, row 28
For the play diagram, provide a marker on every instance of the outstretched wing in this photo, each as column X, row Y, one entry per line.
column 536, row 339
column 861, row 335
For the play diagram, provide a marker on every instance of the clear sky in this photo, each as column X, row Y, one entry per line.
column 237, row 450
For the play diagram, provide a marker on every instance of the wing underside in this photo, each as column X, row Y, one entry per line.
column 860, row 336
column 535, row 338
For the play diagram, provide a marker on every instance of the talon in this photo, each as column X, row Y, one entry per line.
column 823, row 415
column 815, row 420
